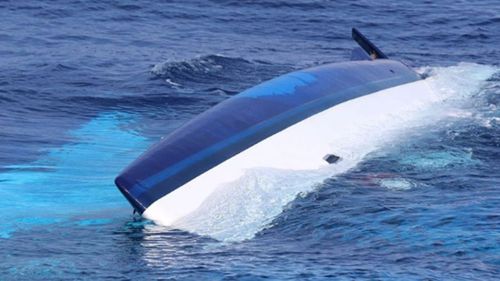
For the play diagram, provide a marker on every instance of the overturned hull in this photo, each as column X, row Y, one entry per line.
column 290, row 122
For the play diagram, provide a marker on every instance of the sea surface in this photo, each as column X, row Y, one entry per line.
column 87, row 86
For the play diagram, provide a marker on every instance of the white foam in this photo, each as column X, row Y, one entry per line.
column 432, row 160
column 397, row 184
column 253, row 197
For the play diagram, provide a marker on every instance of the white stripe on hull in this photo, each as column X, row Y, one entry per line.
column 338, row 130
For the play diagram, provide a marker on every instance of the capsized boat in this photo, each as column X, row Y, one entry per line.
column 284, row 123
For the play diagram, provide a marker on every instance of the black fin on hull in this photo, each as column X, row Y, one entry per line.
column 369, row 47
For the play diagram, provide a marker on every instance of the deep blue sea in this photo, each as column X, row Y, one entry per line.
column 87, row 86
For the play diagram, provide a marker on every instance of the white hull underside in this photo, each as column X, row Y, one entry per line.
column 338, row 130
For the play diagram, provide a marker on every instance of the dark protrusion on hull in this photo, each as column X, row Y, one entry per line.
column 331, row 158
column 368, row 46
column 359, row 54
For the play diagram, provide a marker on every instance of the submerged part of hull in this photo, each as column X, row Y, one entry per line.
column 243, row 122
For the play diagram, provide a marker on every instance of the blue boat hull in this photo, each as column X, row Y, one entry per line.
column 248, row 118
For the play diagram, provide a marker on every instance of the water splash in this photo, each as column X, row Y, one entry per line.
column 459, row 82
column 242, row 208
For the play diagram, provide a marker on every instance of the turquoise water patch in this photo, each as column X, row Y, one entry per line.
column 38, row 220
column 89, row 222
column 72, row 179
column 438, row 159
column 283, row 85
column 6, row 233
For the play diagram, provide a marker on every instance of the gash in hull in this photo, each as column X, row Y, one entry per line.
column 286, row 123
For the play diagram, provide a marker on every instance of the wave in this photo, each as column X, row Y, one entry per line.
column 229, row 75
column 199, row 68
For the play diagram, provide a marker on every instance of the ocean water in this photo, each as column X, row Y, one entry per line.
column 86, row 86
